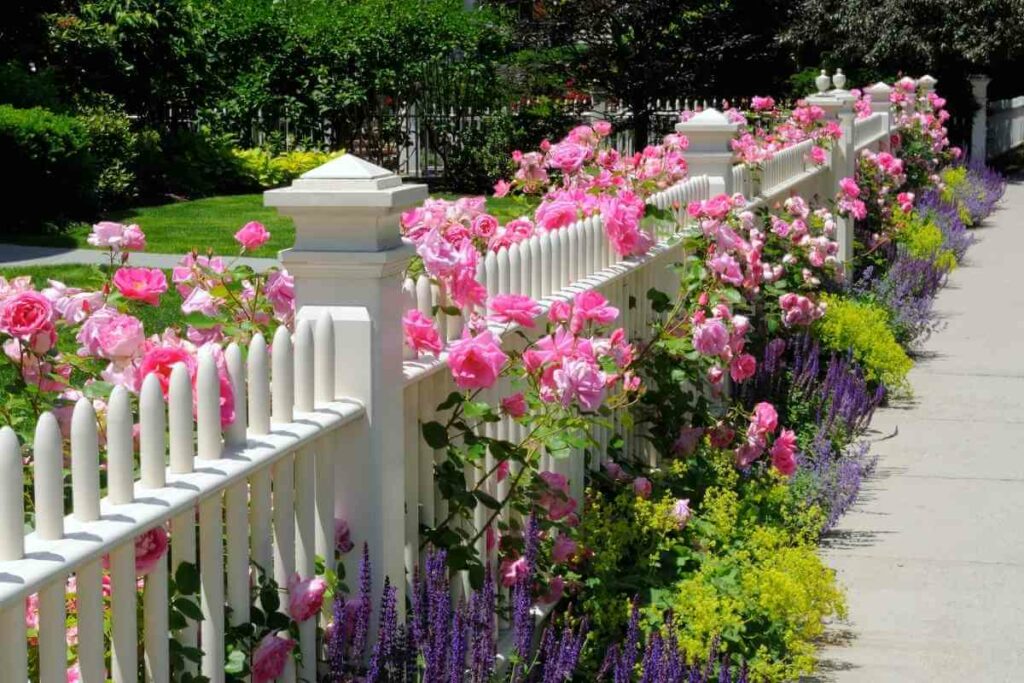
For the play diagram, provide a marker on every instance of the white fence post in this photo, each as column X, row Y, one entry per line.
column 838, row 105
column 979, row 127
column 881, row 104
column 348, row 260
column 710, row 153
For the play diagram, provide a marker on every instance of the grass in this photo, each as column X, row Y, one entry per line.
column 177, row 227
column 211, row 223
column 154, row 318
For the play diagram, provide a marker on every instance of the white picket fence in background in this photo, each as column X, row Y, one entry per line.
column 267, row 488
column 1005, row 125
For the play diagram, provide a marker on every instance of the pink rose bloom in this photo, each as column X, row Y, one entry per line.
column 722, row 436
column 150, row 548
column 501, row 188
column 485, row 225
column 252, row 236
column 280, row 292
column 710, row 338
column 105, row 234
column 269, row 658
column 420, row 333
column 205, row 335
column 818, row 155
column 592, row 306
column 642, row 487
column 849, row 188
column 556, row 588
column 581, row 380
column 512, row 570
column 141, row 284
column 727, row 268
column 764, row 419
column 200, row 301
column 555, row 214
column 438, row 254
column 563, row 548
column 514, row 405
column 742, row 367
column 74, row 674
column 342, row 536
column 602, row 128
column 560, row 311
column 615, row 471
column 133, row 239
column 686, row 442
column 161, row 360
column 475, row 362
column 681, row 511
column 748, row 453
column 305, row 596
column 761, row 103
column 556, row 499
column 24, row 314
column 514, row 308
column 783, row 450
column 568, row 157
column 501, row 471
column 120, row 336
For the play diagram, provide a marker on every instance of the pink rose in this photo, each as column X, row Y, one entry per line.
column 252, row 236
column 765, row 419
column 475, row 362
column 686, row 442
column 849, row 187
column 161, row 360
column 555, row 214
column 722, row 436
column 710, row 338
column 485, row 225
column 119, row 336
column 342, row 536
column 133, row 239
column 642, row 487
column 74, row 674
column 783, row 451
column 24, row 314
column 568, row 157
column 141, row 284
column 615, row 471
column 592, row 306
column 269, row 658
column 515, row 405
column 818, row 155
column 305, row 596
column 150, row 548
column 742, row 367
column 501, row 471
column 560, row 311
column 761, row 103
column 420, row 333
column 512, row 570
column 556, row 587
column 280, row 292
column 514, row 308
column 602, row 128
column 563, row 548
column 581, row 380
column 501, row 188
column 201, row 301
column 681, row 511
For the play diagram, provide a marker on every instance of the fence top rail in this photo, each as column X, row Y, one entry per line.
column 868, row 131
column 47, row 560
column 1006, row 104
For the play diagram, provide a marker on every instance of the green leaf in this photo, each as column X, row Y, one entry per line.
column 435, row 434
column 475, row 409
column 454, row 399
column 187, row 578
column 189, row 608
column 235, row 662
column 476, row 576
column 487, row 499
column 200, row 321
column 660, row 301
column 98, row 390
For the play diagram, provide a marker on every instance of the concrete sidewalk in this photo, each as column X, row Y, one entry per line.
column 933, row 553
column 18, row 255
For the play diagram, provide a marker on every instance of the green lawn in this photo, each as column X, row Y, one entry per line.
column 211, row 223
column 154, row 318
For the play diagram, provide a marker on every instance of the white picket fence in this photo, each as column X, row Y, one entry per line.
column 1005, row 125
column 312, row 424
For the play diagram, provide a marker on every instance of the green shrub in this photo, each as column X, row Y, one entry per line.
column 52, row 172
column 263, row 169
column 191, row 164
column 115, row 147
column 863, row 328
